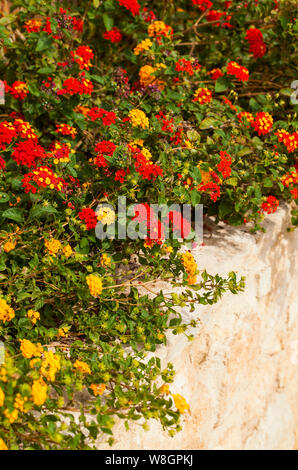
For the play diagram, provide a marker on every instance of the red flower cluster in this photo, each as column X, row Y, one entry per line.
column 167, row 125
column 114, row 35
column 183, row 65
column 89, row 217
column 240, row 72
column 245, row 115
column 24, row 129
column 33, row 26
column 148, row 15
column 131, row 5
column 229, row 103
column 203, row 95
column 43, row 177
column 270, row 205
column 2, row 163
column 7, row 134
column 222, row 17
column 105, row 147
column 143, row 166
column 211, row 187
column 289, row 140
column 65, row 129
column 224, row 167
column 262, row 123
column 215, row 74
column 18, row 89
column 75, row 86
column 83, row 56
column 28, row 153
column 120, row 175
column 60, row 152
column 256, row 44
column 107, row 117
column 203, row 4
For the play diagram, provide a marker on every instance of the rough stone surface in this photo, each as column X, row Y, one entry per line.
column 240, row 374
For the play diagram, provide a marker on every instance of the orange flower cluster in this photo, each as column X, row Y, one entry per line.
column 262, row 122
column 83, row 56
column 158, row 29
column 33, row 26
column 43, row 177
column 240, row 72
column 18, row 89
column 66, row 129
column 190, row 267
column 289, row 140
column 203, row 95
column 270, row 205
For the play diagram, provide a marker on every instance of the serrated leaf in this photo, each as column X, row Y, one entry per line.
column 42, row 211
column 14, row 214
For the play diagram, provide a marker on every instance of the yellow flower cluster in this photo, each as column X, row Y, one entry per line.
column 6, row 312
column 29, row 349
column 190, row 267
column 164, row 389
column 138, row 118
column 11, row 416
column 82, row 367
column 105, row 260
column 106, row 215
column 3, row 374
column 180, row 403
column 39, row 392
column 95, row 284
column 63, row 332
column 2, row 396
column 159, row 27
column 146, row 152
column 33, row 316
column 9, row 245
column 3, row 446
column 142, row 46
column 52, row 246
column 205, row 175
column 19, row 402
column 67, row 251
column 50, row 365
column 147, row 77
column 97, row 389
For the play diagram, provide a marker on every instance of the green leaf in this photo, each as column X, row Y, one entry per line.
column 14, row 214
column 4, row 197
column 43, row 43
column 222, row 83
column 208, row 123
column 108, row 21
column 42, row 211
column 268, row 183
column 232, row 181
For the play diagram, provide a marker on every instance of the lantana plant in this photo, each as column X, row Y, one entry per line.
column 178, row 102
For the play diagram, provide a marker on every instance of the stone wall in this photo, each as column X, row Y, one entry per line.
column 240, row 374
